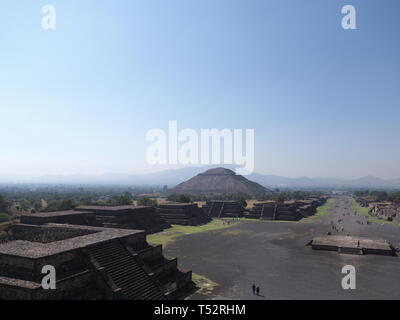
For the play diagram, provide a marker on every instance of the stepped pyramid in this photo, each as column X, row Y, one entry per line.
column 219, row 181
column 92, row 263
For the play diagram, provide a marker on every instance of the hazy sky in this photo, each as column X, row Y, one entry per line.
column 80, row 99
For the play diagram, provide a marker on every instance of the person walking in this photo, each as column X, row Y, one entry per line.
column 254, row 289
column 258, row 291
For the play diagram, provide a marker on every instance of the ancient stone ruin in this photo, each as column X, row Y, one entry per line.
column 124, row 217
column 223, row 209
column 286, row 211
column 363, row 201
column 188, row 214
column 386, row 211
column 90, row 263
column 352, row 245
column 262, row 210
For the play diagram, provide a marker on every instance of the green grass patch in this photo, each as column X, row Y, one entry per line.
column 364, row 211
column 170, row 235
column 205, row 286
column 4, row 217
column 266, row 220
column 322, row 211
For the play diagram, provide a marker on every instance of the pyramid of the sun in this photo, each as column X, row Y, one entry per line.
column 219, row 181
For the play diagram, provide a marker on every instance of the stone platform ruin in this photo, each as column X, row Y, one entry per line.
column 123, row 217
column 223, row 209
column 286, row 211
column 90, row 262
column 352, row 245
column 188, row 214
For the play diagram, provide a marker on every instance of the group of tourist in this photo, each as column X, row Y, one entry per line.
column 256, row 290
column 336, row 228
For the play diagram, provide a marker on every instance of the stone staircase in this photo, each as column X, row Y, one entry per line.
column 221, row 210
column 124, row 271
column 216, row 209
column 224, row 209
column 274, row 216
column 183, row 214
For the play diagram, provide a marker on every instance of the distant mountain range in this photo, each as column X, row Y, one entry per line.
column 304, row 182
column 172, row 178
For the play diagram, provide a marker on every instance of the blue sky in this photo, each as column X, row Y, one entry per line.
column 80, row 99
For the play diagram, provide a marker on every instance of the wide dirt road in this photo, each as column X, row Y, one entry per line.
column 273, row 255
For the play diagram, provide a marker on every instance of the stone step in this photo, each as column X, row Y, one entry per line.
column 124, row 270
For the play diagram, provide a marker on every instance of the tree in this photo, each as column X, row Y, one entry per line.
column 51, row 206
column 4, row 203
column 122, row 200
column 182, row 198
column 66, row 204
column 25, row 205
column 36, row 203
column 60, row 205
column 4, row 217
column 242, row 201
column 146, row 201
column 280, row 198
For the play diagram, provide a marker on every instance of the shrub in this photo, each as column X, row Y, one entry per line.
column 4, row 217
column 145, row 201
column 183, row 198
